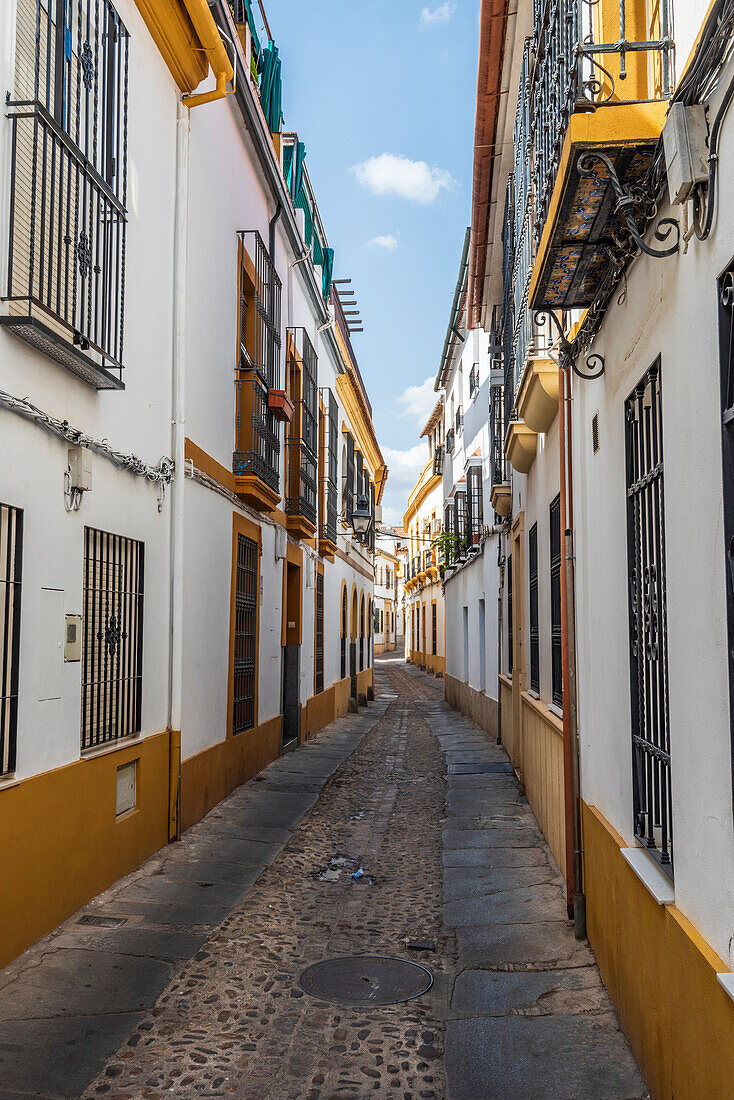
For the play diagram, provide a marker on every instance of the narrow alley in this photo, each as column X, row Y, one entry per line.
column 398, row 832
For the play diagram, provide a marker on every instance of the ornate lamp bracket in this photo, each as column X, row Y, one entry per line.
column 627, row 204
column 594, row 364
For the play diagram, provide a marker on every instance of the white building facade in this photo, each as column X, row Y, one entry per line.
column 169, row 624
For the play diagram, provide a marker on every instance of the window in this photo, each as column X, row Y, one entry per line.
column 465, row 632
column 474, row 519
column 68, row 185
column 329, row 466
column 348, row 482
column 482, row 647
column 474, row 380
column 460, row 525
column 301, row 442
column 534, row 635
column 653, row 813
column 361, row 634
column 556, row 557
column 344, row 634
column 510, row 637
column 257, row 440
column 434, row 629
column 245, row 635
column 112, row 653
column 319, row 633
column 11, row 566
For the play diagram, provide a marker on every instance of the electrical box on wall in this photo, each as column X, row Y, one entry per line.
column 80, row 468
column 685, row 143
column 127, row 798
column 73, row 638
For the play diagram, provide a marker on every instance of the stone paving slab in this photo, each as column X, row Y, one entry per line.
column 542, row 1058
column 530, row 992
column 155, row 943
column 61, row 1055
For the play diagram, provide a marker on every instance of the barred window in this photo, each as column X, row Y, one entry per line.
column 245, row 635
column 510, row 634
column 534, row 635
column 112, row 655
column 11, row 563
column 556, row 558
column 319, row 633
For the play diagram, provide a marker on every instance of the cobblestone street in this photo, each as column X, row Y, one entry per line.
column 183, row 979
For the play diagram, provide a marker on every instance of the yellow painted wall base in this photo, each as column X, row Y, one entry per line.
column 215, row 772
column 476, row 705
column 660, row 974
column 320, row 710
column 428, row 661
column 62, row 843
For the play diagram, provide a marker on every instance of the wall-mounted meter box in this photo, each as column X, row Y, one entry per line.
column 685, row 144
column 80, row 468
column 73, row 638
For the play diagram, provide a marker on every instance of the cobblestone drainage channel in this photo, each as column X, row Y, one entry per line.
column 366, row 979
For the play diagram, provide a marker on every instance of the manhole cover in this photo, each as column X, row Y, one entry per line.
column 366, row 979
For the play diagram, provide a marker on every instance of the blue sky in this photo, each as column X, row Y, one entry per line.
column 383, row 94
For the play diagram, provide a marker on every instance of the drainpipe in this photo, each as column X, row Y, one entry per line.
column 575, row 898
column 178, row 446
column 271, row 230
column 211, row 41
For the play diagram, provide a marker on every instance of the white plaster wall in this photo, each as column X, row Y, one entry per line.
column 137, row 420
column 478, row 580
column 670, row 309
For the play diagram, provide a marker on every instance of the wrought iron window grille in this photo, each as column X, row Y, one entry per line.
column 474, row 514
column 459, row 420
column 329, row 467
column 302, row 436
column 348, row 475
column 556, row 562
column 474, row 381
column 11, row 576
column 319, row 654
column 257, row 437
column 245, row 636
column 438, row 458
column 651, row 780
column 112, row 650
column 510, row 629
column 68, row 187
column 534, row 632
column 450, row 440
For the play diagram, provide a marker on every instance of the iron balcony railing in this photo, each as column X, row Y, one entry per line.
column 572, row 67
column 68, row 187
column 459, row 421
column 438, row 457
column 450, row 439
column 497, row 435
column 257, row 440
column 474, row 380
column 301, row 440
column 329, row 467
column 427, row 559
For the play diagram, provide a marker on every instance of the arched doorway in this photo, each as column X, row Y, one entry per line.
column 361, row 633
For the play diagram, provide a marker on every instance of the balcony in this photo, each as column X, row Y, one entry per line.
column 329, row 474
column 301, row 439
column 537, row 399
column 474, row 381
column 256, row 458
column 500, row 493
column 65, row 289
column 438, row 459
column 450, row 440
column 459, row 421
column 602, row 80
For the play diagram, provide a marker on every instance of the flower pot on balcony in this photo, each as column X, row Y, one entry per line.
column 280, row 405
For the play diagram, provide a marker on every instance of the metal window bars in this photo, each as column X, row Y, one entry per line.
column 11, row 570
column 112, row 654
column 438, row 459
column 534, row 632
column 329, row 467
column 302, row 436
column 344, row 635
column 450, row 440
column 319, row 654
column 556, row 560
column 510, row 628
column 68, row 186
column 572, row 66
column 257, row 439
column 474, row 513
column 474, row 380
column 459, row 420
column 459, row 525
column 245, row 636
column 348, row 482
column 448, row 527
column 651, row 784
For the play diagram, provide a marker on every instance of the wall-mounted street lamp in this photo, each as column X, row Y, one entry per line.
column 362, row 518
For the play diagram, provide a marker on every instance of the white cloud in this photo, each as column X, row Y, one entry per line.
column 389, row 242
column 392, row 517
column 418, row 402
column 412, row 180
column 405, row 466
column 431, row 17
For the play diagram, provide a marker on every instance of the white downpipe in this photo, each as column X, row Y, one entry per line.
column 178, row 418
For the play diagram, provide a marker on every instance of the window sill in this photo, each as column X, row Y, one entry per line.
column 123, row 743
column 655, row 881
column 555, row 709
column 7, row 781
column 726, row 981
